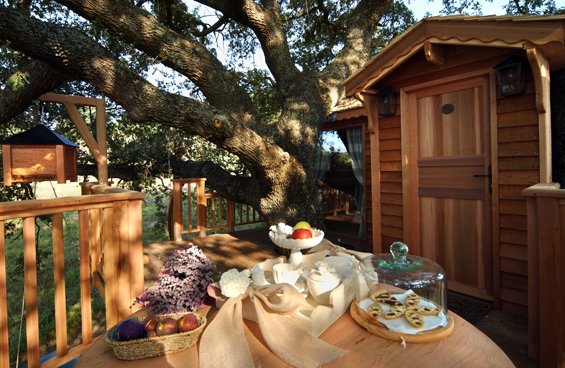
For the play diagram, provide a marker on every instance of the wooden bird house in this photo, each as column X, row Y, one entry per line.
column 38, row 154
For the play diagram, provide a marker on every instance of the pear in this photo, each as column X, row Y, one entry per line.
column 302, row 225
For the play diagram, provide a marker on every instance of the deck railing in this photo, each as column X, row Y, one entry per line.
column 334, row 202
column 546, row 274
column 110, row 243
column 205, row 211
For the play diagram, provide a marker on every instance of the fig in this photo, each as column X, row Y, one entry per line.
column 130, row 329
column 151, row 322
column 166, row 326
column 186, row 323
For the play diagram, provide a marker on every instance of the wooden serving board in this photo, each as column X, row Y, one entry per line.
column 380, row 330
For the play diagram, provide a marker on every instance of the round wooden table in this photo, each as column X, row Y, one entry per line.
column 465, row 347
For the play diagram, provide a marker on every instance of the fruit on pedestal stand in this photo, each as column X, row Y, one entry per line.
column 188, row 322
column 166, row 326
column 302, row 225
column 301, row 234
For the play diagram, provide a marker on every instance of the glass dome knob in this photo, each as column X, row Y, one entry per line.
column 399, row 252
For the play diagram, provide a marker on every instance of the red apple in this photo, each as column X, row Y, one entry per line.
column 188, row 322
column 301, row 234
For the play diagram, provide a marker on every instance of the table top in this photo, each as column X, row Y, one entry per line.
column 465, row 347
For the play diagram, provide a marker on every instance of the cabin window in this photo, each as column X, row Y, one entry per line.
column 342, row 189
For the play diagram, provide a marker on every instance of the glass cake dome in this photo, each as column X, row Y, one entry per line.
column 423, row 276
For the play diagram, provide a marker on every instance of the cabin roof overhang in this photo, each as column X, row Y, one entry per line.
column 544, row 33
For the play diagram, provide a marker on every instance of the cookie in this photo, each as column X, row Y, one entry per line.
column 429, row 310
column 412, row 299
column 395, row 312
column 424, row 310
column 375, row 310
column 392, row 301
column 380, row 295
column 415, row 319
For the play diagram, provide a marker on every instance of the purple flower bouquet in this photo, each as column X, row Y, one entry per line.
column 182, row 283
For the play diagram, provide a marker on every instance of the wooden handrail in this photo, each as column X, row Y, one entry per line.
column 110, row 245
column 213, row 212
column 546, row 274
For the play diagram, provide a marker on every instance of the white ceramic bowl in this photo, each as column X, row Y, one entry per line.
column 284, row 241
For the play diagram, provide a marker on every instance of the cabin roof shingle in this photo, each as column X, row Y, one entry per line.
column 545, row 32
column 38, row 135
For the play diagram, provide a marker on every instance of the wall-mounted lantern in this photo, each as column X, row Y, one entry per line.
column 386, row 102
column 511, row 76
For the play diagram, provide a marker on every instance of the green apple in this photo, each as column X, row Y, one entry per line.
column 302, row 225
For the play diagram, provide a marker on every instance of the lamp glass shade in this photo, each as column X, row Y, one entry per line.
column 511, row 77
column 386, row 102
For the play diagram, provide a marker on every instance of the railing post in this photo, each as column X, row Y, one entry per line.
column 201, row 203
column 177, row 209
column 546, row 274
column 4, row 335
column 135, row 248
column 85, row 299
column 111, row 266
column 30, row 293
column 549, row 282
column 60, row 293
column 231, row 216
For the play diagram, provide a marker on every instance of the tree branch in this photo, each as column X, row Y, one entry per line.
column 213, row 28
column 69, row 50
column 188, row 57
column 266, row 24
column 40, row 78
column 361, row 25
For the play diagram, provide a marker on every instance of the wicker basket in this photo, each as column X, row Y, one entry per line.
column 155, row 346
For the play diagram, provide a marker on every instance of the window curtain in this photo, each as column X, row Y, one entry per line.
column 355, row 149
column 321, row 162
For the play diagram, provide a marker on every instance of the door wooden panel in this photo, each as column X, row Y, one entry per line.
column 452, row 185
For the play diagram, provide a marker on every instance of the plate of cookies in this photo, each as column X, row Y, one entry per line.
column 405, row 315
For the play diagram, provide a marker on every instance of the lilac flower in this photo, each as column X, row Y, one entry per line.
column 182, row 283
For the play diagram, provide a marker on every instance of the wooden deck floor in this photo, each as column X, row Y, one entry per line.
column 245, row 248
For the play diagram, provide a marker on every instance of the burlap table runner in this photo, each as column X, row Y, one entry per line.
column 223, row 342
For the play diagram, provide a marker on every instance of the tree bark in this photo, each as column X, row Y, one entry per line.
column 40, row 78
column 279, row 157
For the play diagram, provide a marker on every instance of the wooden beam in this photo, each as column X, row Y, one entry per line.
column 98, row 147
column 75, row 100
column 370, row 105
column 83, row 130
column 102, row 144
column 540, row 70
column 7, row 164
column 369, row 101
column 434, row 53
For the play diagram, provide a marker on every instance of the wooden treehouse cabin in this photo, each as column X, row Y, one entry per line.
column 458, row 135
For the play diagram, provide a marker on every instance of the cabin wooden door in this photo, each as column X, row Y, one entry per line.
column 449, row 130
